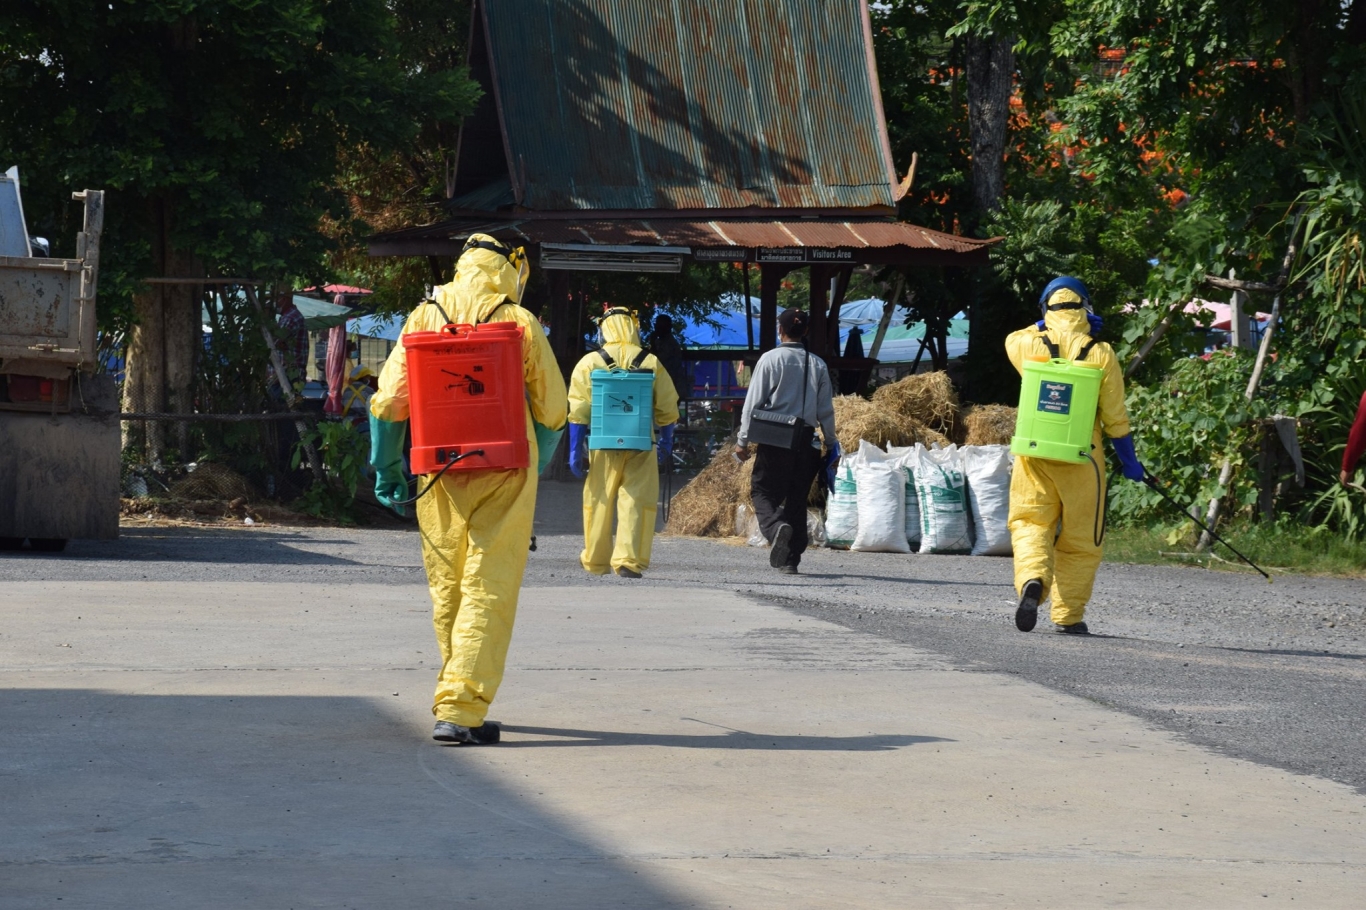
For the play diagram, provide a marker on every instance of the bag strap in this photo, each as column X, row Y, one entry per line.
column 606, row 357
column 806, row 369
column 1054, row 353
column 640, row 358
column 496, row 308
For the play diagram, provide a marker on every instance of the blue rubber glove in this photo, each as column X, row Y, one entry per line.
column 1128, row 459
column 386, row 457
column 578, row 450
column 1041, row 326
column 1096, row 323
column 547, row 441
column 666, row 442
column 831, row 464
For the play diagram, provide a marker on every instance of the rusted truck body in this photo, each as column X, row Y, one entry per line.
column 59, row 426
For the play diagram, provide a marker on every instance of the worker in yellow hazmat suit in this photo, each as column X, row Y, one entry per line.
column 475, row 525
column 620, row 482
column 1055, row 499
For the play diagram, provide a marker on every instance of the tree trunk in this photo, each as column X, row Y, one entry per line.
column 990, row 70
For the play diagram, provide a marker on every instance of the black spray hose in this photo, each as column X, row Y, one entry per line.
column 1153, row 482
column 1102, row 506
column 431, row 483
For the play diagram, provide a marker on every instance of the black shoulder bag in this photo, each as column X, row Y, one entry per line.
column 783, row 431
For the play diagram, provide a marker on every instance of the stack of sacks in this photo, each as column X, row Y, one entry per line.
column 948, row 499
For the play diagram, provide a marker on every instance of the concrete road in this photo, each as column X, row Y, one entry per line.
column 212, row 719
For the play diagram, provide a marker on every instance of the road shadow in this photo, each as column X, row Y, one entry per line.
column 157, row 802
column 727, row 739
column 202, row 545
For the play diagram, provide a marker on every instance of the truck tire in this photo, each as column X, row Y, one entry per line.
column 47, row 544
column 11, row 543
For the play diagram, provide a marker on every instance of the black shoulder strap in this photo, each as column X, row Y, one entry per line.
column 607, row 358
column 440, row 309
column 495, row 309
column 640, row 358
column 1053, row 351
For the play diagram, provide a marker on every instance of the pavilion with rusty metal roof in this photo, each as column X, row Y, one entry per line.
column 633, row 135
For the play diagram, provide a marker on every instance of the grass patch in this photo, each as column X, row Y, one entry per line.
column 1277, row 548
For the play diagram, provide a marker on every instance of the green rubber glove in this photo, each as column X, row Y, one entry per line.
column 386, row 457
column 547, row 441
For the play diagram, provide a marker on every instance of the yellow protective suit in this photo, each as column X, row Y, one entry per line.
column 1045, row 493
column 621, row 483
column 476, row 525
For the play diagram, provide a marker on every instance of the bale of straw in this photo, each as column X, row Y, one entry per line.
column 927, row 398
column 706, row 506
column 858, row 419
column 988, row 425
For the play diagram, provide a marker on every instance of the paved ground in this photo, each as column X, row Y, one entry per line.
column 240, row 718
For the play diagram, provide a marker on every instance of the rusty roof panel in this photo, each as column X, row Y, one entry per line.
column 649, row 104
column 749, row 234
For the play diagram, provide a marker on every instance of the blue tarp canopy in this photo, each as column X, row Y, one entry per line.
column 726, row 329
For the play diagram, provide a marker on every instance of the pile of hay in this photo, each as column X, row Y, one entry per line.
column 706, row 506
column 213, row 481
column 926, row 398
column 858, row 419
column 988, row 425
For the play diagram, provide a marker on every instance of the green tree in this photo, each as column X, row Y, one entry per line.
column 217, row 128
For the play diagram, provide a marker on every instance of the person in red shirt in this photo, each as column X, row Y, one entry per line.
column 1356, row 443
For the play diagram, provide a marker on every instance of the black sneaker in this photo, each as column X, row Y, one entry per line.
column 625, row 572
column 1027, row 613
column 1076, row 628
column 789, row 570
column 484, row 735
column 781, row 549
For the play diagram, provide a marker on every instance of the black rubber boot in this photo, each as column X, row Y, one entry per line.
column 485, row 735
column 1027, row 613
column 1077, row 628
column 627, row 572
column 781, row 549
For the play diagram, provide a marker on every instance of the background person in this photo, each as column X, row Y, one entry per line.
column 621, row 483
column 1055, row 506
column 475, row 525
column 788, row 380
column 1356, row 443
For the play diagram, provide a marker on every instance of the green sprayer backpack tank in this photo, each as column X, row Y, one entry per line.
column 1058, row 401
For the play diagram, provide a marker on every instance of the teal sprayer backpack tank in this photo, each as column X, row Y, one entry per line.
column 623, row 406
column 1057, row 412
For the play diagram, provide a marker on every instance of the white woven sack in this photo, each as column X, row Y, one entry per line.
column 987, row 469
column 841, row 506
column 881, row 503
column 906, row 457
column 943, row 500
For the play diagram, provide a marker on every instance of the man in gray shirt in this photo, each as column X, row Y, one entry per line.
column 787, row 380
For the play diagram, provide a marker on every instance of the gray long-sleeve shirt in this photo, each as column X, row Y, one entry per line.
column 777, row 386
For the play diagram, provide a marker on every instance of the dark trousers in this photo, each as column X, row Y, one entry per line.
column 782, row 481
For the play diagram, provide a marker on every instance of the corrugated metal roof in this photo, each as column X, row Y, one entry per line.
column 673, row 104
column 750, row 234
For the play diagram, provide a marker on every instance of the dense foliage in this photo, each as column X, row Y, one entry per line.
column 1153, row 143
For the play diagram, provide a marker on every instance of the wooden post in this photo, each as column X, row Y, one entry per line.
column 749, row 319
column 888, row 309
column 1226, row 469
column 817, row 336
column 770, row 277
